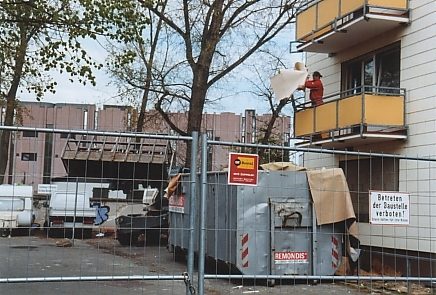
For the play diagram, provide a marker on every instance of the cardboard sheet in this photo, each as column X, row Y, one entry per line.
column 332, row 202
column 331, row 196
column 282, row 166
column 287, row 81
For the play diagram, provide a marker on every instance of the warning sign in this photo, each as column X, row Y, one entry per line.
column 389, row 208
column 290, row 257
column 243, row 169
column 176, row 203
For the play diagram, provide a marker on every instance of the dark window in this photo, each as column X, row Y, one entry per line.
column 388, row 68
column 28, row 156
column 378, row 71
column 48, row 157
column 68, row 135
column 363, row 175
column 30, row 134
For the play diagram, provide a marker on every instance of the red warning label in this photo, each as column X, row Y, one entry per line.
column 290, row 257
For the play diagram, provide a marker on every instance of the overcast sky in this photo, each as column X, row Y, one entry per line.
column 104, row 93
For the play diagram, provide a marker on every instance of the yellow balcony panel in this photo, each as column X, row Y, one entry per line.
column 325, row 117
column 306, row 21
column 350, row 111
column 349, row 6
column 327, row 10
column 329, row 26
column 352, row 121
column 395, row 4
column 313, row 36
column 376, row 106
column 304, row 123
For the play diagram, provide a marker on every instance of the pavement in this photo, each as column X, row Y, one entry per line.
column 39, row 257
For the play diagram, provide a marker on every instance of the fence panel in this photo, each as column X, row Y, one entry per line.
column 306, row 219
column 359, row 219
column 87, row 211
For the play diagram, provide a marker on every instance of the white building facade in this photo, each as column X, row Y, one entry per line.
column 378, row 61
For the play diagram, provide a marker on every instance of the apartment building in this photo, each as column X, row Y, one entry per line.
column 36, row 157
column 378, row 61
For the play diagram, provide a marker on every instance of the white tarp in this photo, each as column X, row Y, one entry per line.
column 287, row 81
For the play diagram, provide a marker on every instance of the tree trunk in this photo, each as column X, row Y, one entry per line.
column 6, row 136
column 272, row 121
column 11, row 102
column 269, row 129
column 149, row 68
column 210, row 39
column 196, row 107
column 143, row 108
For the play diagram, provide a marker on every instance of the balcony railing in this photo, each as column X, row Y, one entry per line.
column 349, row 117
column 332, row 25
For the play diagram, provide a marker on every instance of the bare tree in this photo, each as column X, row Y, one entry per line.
column 217, row 37
column 268, row 62
column 133, row 64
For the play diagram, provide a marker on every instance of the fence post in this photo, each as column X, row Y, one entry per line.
column 75, row 211
column 192, row 207
column 202, row 239
column 314, row 241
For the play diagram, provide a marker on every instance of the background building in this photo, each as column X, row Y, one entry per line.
column 37, row 157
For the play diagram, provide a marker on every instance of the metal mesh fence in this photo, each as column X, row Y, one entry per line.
column 110, row 213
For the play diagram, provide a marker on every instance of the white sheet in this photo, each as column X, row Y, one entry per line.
column 286, row 82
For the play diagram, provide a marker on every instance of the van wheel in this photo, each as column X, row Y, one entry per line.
column 270, row 282
column 124, row 239
column 87, row 233
column 5, row 232
column 127, row 239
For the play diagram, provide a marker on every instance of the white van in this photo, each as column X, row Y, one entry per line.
column 15, row 207
column 68, row 210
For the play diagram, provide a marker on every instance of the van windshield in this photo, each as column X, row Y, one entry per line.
column 11, row 204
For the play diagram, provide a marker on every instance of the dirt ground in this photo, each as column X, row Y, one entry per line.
column 160, row 261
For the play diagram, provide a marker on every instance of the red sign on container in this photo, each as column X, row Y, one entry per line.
column 243, row 169
column 291, row 257
column 176, row 203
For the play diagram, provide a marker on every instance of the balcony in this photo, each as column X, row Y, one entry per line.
column 355, row 117
column 329, row 26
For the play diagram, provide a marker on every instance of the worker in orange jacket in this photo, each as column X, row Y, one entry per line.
column 316, row 88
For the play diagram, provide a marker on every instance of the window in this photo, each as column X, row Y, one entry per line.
column 2, row 115
column 96, row 120
column 85, row 119
column 209, row 134
column 28, row 156
column 363, row 175
column 30, row 134
column 378, row 71
column 243, row 129
column 11, row 203
column 68, row 135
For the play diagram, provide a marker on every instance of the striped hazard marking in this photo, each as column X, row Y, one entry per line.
column 244, row 250
column 335, row 252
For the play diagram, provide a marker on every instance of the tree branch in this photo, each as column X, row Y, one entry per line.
column 167, row 119
column 267, row 36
